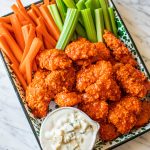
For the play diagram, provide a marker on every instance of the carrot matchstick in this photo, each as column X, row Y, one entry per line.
column 17, row 31
column 51, row 24
column 12, row 43
column 5, row 48
column 34, row 49
column 19, row 75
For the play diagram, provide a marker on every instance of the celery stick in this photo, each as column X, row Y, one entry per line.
column 68, row 28
column 81, row 4
column 106, row 15
column 99, row 21
column 93, row 4
column 89, row 24
column 74, row 37
column 76, row 1
column 112, row 19
column 80, row 30
column 96, row 4
column 70, row 3
column 62, row 9
column 56, row 16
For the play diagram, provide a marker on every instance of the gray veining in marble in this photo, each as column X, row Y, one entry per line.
column 15, row 132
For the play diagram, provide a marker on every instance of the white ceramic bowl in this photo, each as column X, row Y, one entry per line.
column 47, row 120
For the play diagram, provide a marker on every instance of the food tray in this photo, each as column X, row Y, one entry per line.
column 35, row 123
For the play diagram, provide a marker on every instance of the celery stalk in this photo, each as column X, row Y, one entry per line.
column 81, row 4
column 80, row 30
column 76, row 1
column 68, row 28
column 62, row 9
column 112, row 19
column 56, row 16
column 106, row 15
column 89, row 24
column 70, row 3
column 99, row 21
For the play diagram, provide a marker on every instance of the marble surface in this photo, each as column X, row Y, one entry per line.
column 15, row 132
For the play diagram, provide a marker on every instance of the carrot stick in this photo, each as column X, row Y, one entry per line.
column 46, row 36
column 19, row 75
column 46, row 2
column 36, row 9
column 29, row 71
column 39, row 35
column 30, row 38
column 33, row 15
column 47, row 44
column 51, row 24
column 5, row 19
column 7, row 26
column 22, row 14
column 25, row 31
column 5, row 48
column 12, row 43
column 34, row 49
column 17, row 31
column 20, row 5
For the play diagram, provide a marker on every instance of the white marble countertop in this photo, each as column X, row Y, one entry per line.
column 15, row 132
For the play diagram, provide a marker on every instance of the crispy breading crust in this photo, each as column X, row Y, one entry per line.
column 54, row 59
column 37, row 95
column 132, row 80
column 108, row 131
column 60, row 80
column 96, row 110
column 144, row 116
column 90, row 75
column 120, row 51
column 67, row 99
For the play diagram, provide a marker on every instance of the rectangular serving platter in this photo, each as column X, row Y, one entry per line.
column 35, row 123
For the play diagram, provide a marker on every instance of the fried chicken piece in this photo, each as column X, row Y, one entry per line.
column 60, row 80
column 132, row 81
column 54, row 59
column 108, row 132
column 67, row 99
column 104, row 88
column 120, row 51
column 96, row 110
column 37, row 94
column 144, row 116
column 86, row 98
column 132, row 104
column 83, row 49
column 122, row 119
column 90, row 75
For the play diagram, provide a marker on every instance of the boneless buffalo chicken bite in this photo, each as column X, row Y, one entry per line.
column 108, row 131
column 90, row 75
column 37, row 94
column 96, row 110
column 53, row 59
column 120, row 52
column 132, row 81
column 69, row 99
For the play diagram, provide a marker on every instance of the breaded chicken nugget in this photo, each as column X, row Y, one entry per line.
column 108, row 132
column 104, row 88
column 67, row 99
column 37, row 95
column 60, row 80
column 96, row 110
column 86, row 98
column 132, row 81
column 144, row 116
column 122, row 119
column 90, row 75
column 120, row 51
column 54, row 59
column 82, row 49
column 132, row 104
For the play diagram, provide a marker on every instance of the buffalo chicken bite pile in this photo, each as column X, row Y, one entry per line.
column 101, row 79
